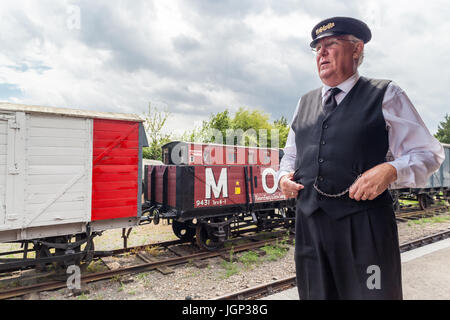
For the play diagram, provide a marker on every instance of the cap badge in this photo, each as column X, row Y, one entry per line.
column 325, row 28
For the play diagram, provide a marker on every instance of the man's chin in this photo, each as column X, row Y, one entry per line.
column 326, row 76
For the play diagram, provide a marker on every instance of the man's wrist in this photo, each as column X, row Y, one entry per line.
column 282, row 175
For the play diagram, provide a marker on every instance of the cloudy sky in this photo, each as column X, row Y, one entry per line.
column 198, row 57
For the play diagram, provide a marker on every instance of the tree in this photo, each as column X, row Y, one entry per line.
column 205, row 133
column 154, row 125
column 255, row 125
column 246, row 127
column 221, row 122
column 443, row 133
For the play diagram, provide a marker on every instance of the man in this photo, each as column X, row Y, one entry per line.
column 349, row 141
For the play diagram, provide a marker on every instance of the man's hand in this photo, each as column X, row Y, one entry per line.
column 373, row 182
column 289, row 188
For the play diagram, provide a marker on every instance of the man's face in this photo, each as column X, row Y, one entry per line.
column 336, row 59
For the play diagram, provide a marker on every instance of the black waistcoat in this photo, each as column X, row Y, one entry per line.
column 333, row 150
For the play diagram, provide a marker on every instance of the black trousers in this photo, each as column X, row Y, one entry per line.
column 356, row 257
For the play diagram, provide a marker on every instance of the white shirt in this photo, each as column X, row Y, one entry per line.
column 413, row 151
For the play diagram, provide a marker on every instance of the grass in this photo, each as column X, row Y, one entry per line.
column 83, row 297
column 121, row 288
column 154, row 250
column 96, row 266
column 275, row 252
column 142, row 276
column 409, row 202
column 231, row 268
column 249, row 258
column 116, row 278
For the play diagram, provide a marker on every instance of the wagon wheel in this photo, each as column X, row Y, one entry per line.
column 447, row 196
column 88, row 249
column 184, row 230
column 395, row 201
column 87, row 257
column 205, row 238
column 41, row 252
column 424, row 201
column 261, row 223
column 290, row 225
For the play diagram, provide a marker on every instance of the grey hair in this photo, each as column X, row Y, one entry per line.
column 356, row 40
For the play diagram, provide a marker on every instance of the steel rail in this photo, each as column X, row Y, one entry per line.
column 424, row 241
column 263, row 289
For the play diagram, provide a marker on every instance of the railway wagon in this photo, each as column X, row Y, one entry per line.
column 209, row 202
column 67, row 175
column 438, row 185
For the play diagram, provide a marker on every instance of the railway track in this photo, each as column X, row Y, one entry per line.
column 286, row 283
column 416, row 213
column 402, row 216
column 152, row 265
column 115, row 252
column 143, row 267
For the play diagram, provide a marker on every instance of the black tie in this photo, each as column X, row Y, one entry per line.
column 330, row 103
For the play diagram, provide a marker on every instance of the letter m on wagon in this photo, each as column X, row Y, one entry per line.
column 216, row 188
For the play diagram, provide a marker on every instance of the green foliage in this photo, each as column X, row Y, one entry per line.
column 221, row 122
column 231, row 268
column 199, row 134
column 253, row 125
column 154, row 125
column 249, row 258
column 443, row 133
column 275, row 252
column 83, row 297
column 283, row 128
column 245, row 120
column 436, row 219
column 96, row 266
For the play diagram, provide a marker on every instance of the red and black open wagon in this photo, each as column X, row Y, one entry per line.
column 209, row 201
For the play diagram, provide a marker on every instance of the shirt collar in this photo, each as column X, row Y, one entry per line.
column 345, row 86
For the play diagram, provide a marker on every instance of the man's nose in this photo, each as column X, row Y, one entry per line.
column 322, row 51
